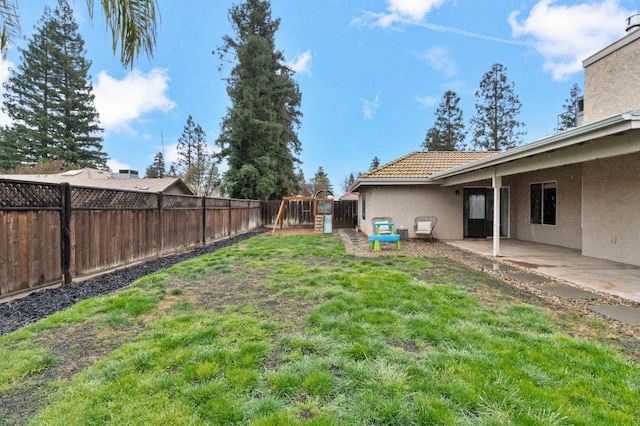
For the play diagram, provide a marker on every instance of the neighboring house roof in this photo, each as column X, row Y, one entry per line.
column 106, row 179
column 418, row 166
column 350, row 196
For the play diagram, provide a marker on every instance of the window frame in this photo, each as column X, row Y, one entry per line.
column 363, row 203
column 543, row 203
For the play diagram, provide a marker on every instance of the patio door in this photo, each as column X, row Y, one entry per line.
column 478, row 212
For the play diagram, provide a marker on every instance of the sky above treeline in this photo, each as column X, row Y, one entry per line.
column 371, row 72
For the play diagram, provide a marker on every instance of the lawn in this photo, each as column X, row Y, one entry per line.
column 291, row 330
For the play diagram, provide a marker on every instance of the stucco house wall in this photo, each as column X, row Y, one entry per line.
column 611, row 213
column 611, row 82
column 567, row 232
column 404, row 203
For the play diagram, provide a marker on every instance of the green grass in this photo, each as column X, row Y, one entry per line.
column 291, row 330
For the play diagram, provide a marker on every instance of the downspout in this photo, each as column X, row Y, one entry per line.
column 497, row 184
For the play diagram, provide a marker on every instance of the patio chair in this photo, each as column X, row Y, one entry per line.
column 424, row 225
column 383, row 229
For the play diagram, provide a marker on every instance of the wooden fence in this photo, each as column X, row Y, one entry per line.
column 52, row 233
column 300, row 213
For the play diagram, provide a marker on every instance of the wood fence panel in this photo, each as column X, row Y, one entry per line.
column 222, row 224
column 104, row 239
column 300, row 212
column 345, row 213
column 182, row 229
column 51, row 233
column 216, row 218
column 30, row 254
column 269, row 211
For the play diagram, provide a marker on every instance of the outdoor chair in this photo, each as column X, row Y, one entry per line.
column 424, row 226
column 383, row 229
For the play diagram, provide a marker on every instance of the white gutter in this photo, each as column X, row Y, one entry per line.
column 599, row 129
column 389, row 181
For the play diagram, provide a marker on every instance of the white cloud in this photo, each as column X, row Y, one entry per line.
column 426, row 100
column 407, row 12
column 370, row 107
column 115, row 165
column 121, row 102
column 399, row 11
column 170, row 153
column 4, row 76
column 566, row 34
column 302, row 63
column 440, row 59
column 413, row 9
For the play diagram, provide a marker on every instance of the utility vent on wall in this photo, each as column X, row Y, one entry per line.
column 633, row 22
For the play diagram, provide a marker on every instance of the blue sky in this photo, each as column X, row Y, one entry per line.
column 371, row 72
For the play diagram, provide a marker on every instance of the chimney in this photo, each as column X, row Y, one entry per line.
column 126, row 174
column 633, row 22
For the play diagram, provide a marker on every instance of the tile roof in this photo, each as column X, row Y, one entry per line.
column 421, row 164
column 106, row 179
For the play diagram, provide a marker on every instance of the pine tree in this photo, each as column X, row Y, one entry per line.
column 10, row 157
column 157, row 169
column 49, row 97
column 348, row 181
column 258, row 138
column 447, row 133
column 375, row 163
column 567, row 120
column 495, row 125
column 320, row 181
column 195, row 163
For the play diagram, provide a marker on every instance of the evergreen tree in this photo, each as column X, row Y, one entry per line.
column 567, row 120
column 258, row 134
column 447, row 133
column 375, row 163
column 49, row 97
column 195, row 163
column 320, row 181
column 348, row 181
column 10, row 157
column 495, row 125
column 305, row 187
column 157, row 169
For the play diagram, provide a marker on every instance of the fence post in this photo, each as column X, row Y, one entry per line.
column 204, row 220
column 160, row 226
column 65, row 232
column 230, row 221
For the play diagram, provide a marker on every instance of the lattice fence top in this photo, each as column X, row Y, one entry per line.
column 15, row 194
column 33, row 195
column 103, row 199
column 170, row 201
column 217, row 203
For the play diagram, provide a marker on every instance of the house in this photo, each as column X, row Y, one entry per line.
column 579, row 188
column 349, row 196
column 127, row 180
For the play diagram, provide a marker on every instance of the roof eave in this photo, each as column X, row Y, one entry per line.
column 607, row 127
column 389, row 181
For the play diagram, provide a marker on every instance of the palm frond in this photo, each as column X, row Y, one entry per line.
column 133, row 25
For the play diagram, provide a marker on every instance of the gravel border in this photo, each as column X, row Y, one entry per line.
column 25, row 310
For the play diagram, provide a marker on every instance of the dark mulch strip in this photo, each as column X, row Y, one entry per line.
column 40, row 304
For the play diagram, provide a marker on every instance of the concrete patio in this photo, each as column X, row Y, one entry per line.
column 565, row 264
